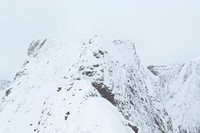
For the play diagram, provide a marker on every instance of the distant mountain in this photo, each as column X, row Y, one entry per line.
column 97, row 86
column 4, row 84
column 179, row 89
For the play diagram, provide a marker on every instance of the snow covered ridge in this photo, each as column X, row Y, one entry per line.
column 96, row 86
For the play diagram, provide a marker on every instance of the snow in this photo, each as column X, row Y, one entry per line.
column 4, row 84
column 36, row 104
column 178, row 88
column 99, row 86
column 97, row 115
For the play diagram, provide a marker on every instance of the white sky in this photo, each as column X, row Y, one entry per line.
column 165, row 31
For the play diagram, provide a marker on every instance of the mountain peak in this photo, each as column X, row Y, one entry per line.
column 35, row 46
column 60, row 85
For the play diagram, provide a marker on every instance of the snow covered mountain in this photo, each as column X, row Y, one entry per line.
column 179, row 89
column 97, row 86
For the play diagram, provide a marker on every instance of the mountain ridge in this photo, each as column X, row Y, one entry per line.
column 58, row 81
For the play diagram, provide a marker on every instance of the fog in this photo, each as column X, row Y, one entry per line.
column 164, row 31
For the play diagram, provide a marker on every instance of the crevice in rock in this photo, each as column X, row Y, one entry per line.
column 105, row 93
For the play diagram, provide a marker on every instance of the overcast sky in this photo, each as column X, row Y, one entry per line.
column 164, row 31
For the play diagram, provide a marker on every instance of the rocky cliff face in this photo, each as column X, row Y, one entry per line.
column 98, row 85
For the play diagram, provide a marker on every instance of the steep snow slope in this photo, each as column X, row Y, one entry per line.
column 97, row 115
column 179, row 89
column 55, row 90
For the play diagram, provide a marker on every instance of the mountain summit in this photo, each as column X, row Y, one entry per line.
column 96, row 86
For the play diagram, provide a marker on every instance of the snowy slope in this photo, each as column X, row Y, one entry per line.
column 60, row 85
column 97, row 115
column 4, row 84
column 179, row 89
